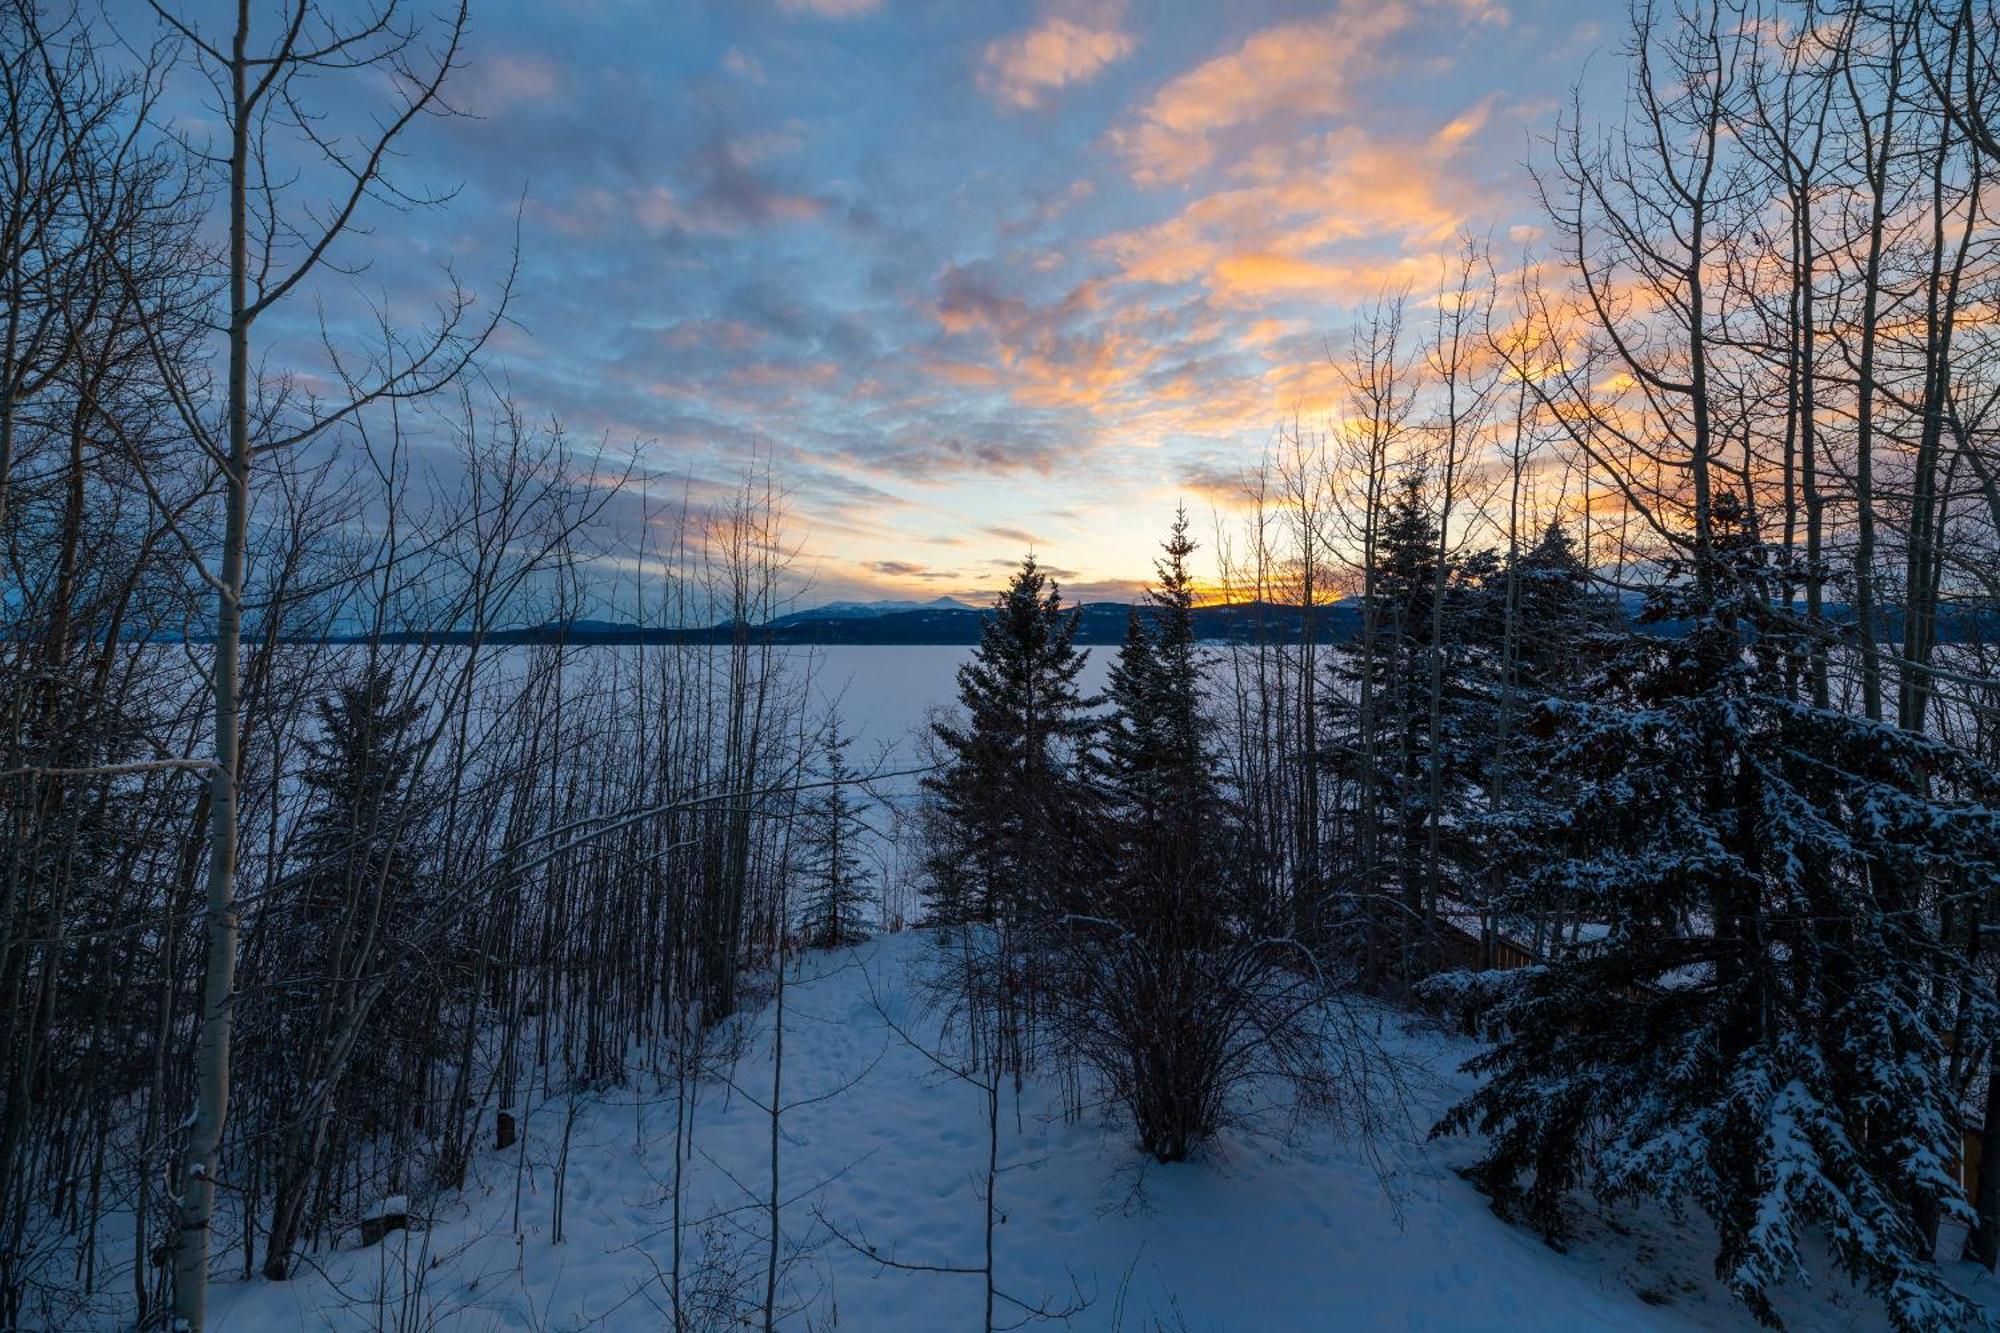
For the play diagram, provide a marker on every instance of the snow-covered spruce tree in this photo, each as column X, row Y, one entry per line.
column 1750, row 1022
column 831, row 874
column 1558, row 636
column 1009, row 783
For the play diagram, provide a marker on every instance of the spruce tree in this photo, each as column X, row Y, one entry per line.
column 360, row 820
column 1563, row 630
column 1167, row 982
column 1558, row 639
column 1154, row 760
column 358, row 890
column 1749, row 1021
column 1386, row 754
column 835, row 884
column 1009, row 781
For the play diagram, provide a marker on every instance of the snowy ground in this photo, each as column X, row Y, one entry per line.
column 1263, row 1235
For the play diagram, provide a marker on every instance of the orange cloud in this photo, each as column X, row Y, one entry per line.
column 1298, row 68
column 1269, row 237
column 1022, row 70
column 1261, row 273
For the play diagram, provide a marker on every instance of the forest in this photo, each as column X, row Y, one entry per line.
column 1658, row 754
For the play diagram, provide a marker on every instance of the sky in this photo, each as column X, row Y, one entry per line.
column 974, row 278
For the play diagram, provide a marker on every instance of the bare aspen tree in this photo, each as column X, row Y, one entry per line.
column 1464, row 311
column 1380, row 398
column 259, row 81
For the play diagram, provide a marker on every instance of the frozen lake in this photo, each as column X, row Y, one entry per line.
column 884, row 692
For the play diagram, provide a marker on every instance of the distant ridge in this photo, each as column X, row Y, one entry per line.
column 943, row 622
column 869, row 610
column 948, row 622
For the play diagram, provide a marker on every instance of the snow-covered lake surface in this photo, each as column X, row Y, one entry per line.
column 1293, row 1230
column 884, row 697
column 884, row 693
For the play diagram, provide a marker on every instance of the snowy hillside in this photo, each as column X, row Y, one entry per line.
column 883, row 1147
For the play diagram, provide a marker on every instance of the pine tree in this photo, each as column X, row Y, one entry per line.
column 835, row 884
column 1749, row 1022
column 1009, row 782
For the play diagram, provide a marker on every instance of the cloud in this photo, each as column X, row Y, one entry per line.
column 969, row 297
column 1076, row 592
column 734, row 193
column 743, row 65
column 937, row 316
column 496, row 84
column 903, row 569
column 1024, row 69
column 1216, row 481
column 831, row 9
column 1307, row 219
column 1300, row 69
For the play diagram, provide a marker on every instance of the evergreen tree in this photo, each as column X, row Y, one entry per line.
column 1388, row 753
column 1563, row 631
column 356, row 894
column 1009, row 781
column 1749, row 1020
column 1154, row 762
column 360, row 817
column 1558, row 639
column 1168, row 984
column 835, row 883
column 1130, row 740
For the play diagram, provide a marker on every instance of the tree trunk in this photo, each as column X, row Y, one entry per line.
column 211, row 1106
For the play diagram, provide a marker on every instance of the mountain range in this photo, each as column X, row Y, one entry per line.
column 948, row 621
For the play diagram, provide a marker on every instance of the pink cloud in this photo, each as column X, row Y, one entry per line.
column 831, row 9
column 496, row 84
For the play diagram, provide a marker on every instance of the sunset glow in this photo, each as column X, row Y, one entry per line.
column 979, row 277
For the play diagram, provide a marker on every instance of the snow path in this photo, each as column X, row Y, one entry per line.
column 1263, row 1235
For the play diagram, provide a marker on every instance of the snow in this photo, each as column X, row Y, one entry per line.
column 1271, row 1230
column 883, row 693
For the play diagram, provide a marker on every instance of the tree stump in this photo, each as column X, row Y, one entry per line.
column 391, row 1214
